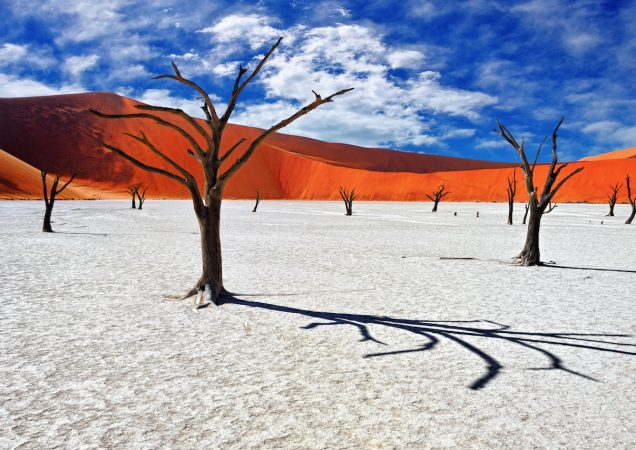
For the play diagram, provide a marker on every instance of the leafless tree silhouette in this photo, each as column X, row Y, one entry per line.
column 512, row 190
column 632, row 201
column 439, row 194
column 348, row 197
column 611, row 198
column 530, row 255
column 258, row 200
column 141, row 196
column 207, row 206
column 132, row 190
column 550, row 208
column 49, row 197
column 525, row 215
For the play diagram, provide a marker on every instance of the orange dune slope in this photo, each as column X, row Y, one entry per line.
column 616, row 154
column 20, row 181
column 60, row 134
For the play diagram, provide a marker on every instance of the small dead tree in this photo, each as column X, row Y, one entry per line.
column 632, row 201
column 525, row 215
column 530, row 255
column 132, row 190
column 611, row 198
column 49, row 198
column 141, row 197
column 512, row 190
column 206, row 202
column 258, row 200
column 347, row 198
column 550, row 208
column 439, row 194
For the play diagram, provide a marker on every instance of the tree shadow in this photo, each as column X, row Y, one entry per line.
column 598, row 269
column 459, row 331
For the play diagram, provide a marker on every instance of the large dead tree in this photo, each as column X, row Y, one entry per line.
column 132, row 190
column 512, row 190
column 141, row 197
column 611, row 198
column 530, row 255
column 632, row 201
column 439, row 194
column 258, row 200
column 49, row 197
column 348, row 197
column 207, row 203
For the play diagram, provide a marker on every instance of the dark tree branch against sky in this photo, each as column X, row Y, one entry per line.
column 430, row 76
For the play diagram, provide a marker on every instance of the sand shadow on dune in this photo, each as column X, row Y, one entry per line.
column 464, row 333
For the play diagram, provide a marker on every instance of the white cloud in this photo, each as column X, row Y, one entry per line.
column 382, row 111
column 11, row 52
column 163, row 97
column 254, row 29
column 76, row 65
column 407, row 59
column 24, row 56
column 613, row 132
column 12, row 86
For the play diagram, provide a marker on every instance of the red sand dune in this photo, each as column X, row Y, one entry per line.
column 616, row 154
column 60, row 134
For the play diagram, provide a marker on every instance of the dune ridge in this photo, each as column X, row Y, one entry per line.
column 59, row 133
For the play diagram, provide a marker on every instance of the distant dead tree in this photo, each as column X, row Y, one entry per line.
column 347, row 198
column 550, row 208
column 632, row 201
column 611, row 198
column 141, row 197
column 207, row 203
column 49, row 197
column 512, row 190
column 525, row 215
column 439, row 194
column 530, row 255
column 132, row 190
column 258, row 200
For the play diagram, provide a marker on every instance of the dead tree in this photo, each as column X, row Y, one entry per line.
column 632, row 201
column 49, row 198
column 141, row 197
column 525, row 215
column 512, row 190
column 347, row 198
column 530, row 255
column 439, row 194
column 550, row 208
column 611, row 198
column 258, row 200
column 132, row 190
column 207, row 203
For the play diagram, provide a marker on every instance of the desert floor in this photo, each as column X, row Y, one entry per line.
column 345, row 332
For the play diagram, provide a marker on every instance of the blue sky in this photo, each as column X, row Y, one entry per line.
column 430, row 76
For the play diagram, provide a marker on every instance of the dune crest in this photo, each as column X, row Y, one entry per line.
column 59, row 133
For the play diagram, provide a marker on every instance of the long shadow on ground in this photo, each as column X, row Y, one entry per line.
column 434, row 331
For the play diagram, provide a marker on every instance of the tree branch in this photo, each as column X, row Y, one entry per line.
column 282, row 124
column 141, row 165
column 231, row 149
column 66, row 184
column 144, row 140
column 181, row 113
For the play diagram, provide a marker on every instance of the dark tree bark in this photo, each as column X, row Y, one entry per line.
column 611, row 198
column 348, row 197
column 132, row 190
column 439, row 194
column 525, row 215
column 512, row 190
column 530, row 255
column 207, row 204
column 49, row 198
column 632, row 201
column 258, row 200
column 550, row 208
column 141, row 197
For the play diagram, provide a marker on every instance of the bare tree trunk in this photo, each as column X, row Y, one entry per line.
column 632, row 201
column 258, row 200
column 435, row 206
column 46, row 227
column 212, row 267
column 530, row 255
column 631, row 216
column 510, row 209
column 525, row 215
